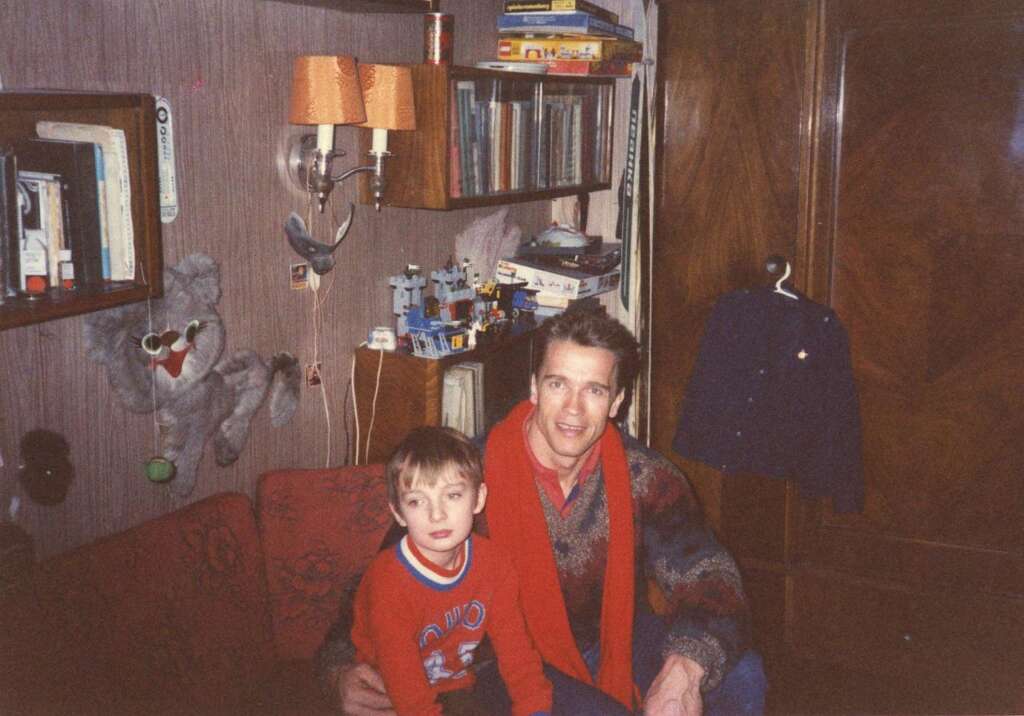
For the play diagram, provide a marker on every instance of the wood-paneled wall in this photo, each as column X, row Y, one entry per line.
column 225, row 67
column 731, row 81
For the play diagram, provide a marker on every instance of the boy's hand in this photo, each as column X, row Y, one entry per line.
column 361, row 692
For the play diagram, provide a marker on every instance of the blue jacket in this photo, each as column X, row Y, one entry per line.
column 772, row 393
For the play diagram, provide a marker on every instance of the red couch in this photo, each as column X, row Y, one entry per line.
column 215, row 608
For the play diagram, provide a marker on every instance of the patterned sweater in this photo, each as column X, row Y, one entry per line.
column 676, row 550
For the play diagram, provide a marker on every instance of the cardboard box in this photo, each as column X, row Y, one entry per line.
column 562, row 282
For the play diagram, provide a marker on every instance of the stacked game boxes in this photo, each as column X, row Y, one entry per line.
column 571, row 37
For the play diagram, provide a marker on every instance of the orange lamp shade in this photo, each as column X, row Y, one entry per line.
column 387, row 95
column 325, row 90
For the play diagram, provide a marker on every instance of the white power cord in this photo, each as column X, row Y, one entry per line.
column 318, row 321
column 373, row 407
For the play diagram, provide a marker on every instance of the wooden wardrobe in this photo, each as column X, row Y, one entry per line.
column 879, row 146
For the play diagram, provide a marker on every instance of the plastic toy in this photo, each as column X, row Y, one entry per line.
column 461, row 315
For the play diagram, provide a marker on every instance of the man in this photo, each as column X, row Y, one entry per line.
column 592, row 519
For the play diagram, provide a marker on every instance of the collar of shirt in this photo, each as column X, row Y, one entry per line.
column 548, row 478
column 437, row 569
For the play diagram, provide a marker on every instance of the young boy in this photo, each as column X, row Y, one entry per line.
column 424, row 605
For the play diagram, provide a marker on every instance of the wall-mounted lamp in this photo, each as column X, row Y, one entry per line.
column 331, row 90
column 387, row 95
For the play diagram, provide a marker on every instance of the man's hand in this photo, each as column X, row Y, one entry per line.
column 676, row 689
column 361, row 692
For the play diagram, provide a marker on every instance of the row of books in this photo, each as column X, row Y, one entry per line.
column 65, row 209
column 527, row 144
column 570, row 37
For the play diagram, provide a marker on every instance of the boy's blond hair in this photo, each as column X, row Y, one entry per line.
column 426, row 454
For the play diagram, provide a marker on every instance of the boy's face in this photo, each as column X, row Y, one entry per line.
column 440, row 517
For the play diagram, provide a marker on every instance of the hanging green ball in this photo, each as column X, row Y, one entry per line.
column 159, row 469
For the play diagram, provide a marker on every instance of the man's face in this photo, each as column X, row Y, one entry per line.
column 575, row 395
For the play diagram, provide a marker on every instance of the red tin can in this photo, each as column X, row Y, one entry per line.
column 438, row 35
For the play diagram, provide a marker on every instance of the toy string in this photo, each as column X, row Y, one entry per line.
column 152, row 382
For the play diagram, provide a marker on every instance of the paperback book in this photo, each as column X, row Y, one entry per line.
column 570, row 23
column 10, row 224
column 561, row 6
column 120, row 241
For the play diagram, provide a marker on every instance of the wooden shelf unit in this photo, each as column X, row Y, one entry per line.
column 409, row 394
column 136, row 115
column 419, row 172
column 366, row 6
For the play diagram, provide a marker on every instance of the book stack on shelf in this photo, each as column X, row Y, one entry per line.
column 513, row 136
column 569, row 37
column 462, row 398
column 65, row 208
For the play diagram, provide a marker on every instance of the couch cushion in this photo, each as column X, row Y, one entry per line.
column 319, row 528
column 171, row 615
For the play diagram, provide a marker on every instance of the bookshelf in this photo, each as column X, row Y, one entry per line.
column 486, row 137
column 409, row 394
column 136, row 115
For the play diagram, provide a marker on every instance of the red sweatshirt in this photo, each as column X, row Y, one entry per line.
column 420, row 628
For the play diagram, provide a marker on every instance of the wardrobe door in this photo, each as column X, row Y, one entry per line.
column 880, row 147
column 733, row 125
column 917, row 242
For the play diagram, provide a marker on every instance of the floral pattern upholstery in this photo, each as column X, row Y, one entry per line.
column 173, row 612
column 200, row 611
column 319, row 529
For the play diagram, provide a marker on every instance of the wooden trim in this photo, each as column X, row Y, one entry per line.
column 136, row 115
column 366, row 6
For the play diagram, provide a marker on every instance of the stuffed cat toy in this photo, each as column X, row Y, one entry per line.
column 164, row 356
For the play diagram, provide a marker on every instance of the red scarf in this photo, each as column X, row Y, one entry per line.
column 515, row 520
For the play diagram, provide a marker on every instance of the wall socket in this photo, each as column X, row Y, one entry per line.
column 313, row 374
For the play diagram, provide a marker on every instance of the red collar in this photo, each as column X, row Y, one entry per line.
column 426, row 562
column 548, row 478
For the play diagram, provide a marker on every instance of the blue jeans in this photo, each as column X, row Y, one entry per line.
column 741, row 691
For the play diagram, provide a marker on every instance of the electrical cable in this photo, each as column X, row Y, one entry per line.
column 318, row 321
column 355, row 407
column 373, row 405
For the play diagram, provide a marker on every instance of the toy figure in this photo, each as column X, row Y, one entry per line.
column 408, row 292
column 319, row 254
column 164, row 356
